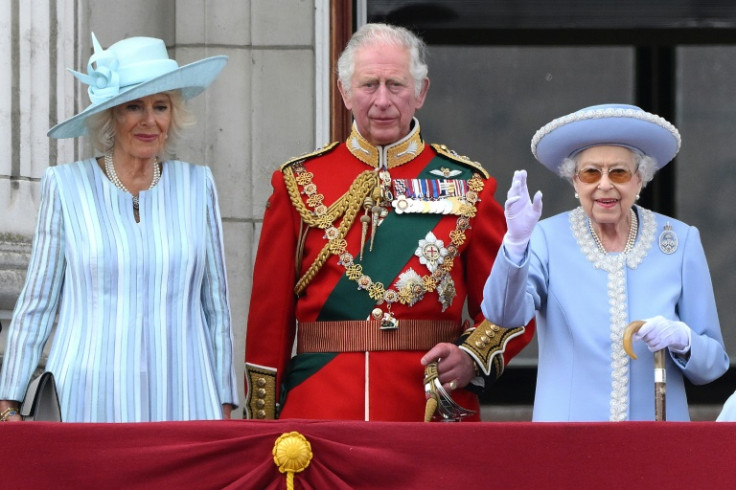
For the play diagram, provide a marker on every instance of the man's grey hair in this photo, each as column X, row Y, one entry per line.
column 372, row 34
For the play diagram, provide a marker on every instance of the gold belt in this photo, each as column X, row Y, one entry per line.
column 367, row 336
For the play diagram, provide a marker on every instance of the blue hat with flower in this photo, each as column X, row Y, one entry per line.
column 133, row 68
column 607, row 124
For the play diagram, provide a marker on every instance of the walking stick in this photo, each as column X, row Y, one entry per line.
column 660, row 379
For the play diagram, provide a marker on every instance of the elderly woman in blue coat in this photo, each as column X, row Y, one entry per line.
column 587, row 273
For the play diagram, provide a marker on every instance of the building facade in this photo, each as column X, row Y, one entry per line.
column 260, row 112
column 499, row 71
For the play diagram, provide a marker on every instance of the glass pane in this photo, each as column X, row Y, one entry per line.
column 568, row 14
column 487, row 103
column 706, row 171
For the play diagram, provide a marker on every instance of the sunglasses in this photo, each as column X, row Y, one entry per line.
column 591, row 175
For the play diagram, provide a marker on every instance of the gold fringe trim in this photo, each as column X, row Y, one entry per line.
column 452, row 155
column 261, row 400
column 486, row 344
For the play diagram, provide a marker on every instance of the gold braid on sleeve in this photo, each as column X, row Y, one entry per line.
column 260, row 402
column 346, row 206
column 486, row 344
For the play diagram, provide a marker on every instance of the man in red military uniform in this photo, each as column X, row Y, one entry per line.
column 368, row 252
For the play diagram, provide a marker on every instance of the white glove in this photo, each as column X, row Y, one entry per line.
column 659, row 332
column 521, row 216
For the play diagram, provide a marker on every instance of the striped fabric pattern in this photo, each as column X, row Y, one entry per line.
column 143, row 329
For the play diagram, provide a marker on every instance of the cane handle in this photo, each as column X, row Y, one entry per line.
column 630, row 330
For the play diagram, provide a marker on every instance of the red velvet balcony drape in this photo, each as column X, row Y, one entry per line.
column 238, row 455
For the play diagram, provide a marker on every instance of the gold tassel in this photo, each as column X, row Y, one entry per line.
column 367, row 205
column 377, row 198
column 430, row 374
column 376, row 213
column 429, row 409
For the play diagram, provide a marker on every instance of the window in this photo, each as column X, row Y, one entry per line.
column 501, row 70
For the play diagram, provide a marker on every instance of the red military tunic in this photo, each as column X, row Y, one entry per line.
column 318, row 211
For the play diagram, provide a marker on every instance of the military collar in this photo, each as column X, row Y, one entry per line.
column 390, row 156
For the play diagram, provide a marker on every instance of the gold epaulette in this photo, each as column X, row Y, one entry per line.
column 451, row 154
column 486, row 344
column 260, row 397
column 321, row 151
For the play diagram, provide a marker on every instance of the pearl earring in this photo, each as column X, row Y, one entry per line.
column 577, row 196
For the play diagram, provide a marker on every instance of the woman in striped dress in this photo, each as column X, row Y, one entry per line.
column 128, row 252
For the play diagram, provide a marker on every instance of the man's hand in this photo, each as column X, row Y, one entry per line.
column 454, row 366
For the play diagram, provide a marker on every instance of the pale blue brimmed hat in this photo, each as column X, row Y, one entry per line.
column 606, row 124
column 133, row 68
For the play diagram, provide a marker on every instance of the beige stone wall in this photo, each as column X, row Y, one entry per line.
column 257, row 114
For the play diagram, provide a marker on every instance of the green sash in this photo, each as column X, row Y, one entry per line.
column 346, row 302
column 399, row 235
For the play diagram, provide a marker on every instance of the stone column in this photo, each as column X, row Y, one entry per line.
column 259, row 113
column 34, row 50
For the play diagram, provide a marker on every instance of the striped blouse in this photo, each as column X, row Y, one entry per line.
column 143, row 329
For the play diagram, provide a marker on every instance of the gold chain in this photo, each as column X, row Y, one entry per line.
column 349, row 204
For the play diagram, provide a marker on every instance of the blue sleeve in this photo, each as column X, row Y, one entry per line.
column 512, row 292
column 697, row 308
column 215, row 298
column 728, row 412
column 37, row 304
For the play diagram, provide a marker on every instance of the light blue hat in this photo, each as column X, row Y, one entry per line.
column 606, row 124
column 133, row 68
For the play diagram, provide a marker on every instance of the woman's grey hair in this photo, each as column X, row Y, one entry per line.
column 372, row 34
column 645, row 165
column 101, row 126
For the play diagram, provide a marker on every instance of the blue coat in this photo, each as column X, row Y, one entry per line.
column 583, row 301
column 143, row 329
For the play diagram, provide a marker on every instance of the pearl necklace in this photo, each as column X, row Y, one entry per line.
column 629, row 241
column 110, row 170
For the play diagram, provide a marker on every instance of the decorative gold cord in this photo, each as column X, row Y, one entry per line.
column 347, row 206
column 366, row 181
column 350, row 203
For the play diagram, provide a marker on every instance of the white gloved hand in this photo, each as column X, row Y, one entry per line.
column 659, row 332
column 521, row 216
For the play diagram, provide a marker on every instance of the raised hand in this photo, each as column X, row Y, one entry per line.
column 522, row 214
